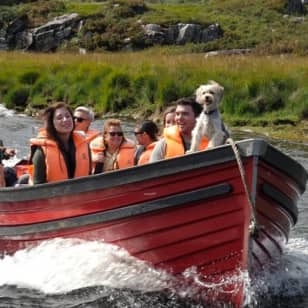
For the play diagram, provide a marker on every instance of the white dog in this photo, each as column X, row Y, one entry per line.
column 209, row 122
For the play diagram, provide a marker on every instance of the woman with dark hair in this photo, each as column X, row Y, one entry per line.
column 112, row 150
column 169, row 116
column 59, row 153
column 146, row 136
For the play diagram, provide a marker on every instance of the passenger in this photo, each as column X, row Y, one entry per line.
column 2, row 179
column 169, row 116
column 8, row 175
column 177, row 138
column 59, row 153
column 83, row 117
column 6, row 153
column 112, row 150
column 146, row 136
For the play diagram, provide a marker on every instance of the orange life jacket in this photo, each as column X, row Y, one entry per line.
column 125, row 157
column 146, row 154
column 174, row 142
column 91, row 134
column 56, row 169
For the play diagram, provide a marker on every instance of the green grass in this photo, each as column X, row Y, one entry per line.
column 84, row 8
column 259, row 90
column 268, row 87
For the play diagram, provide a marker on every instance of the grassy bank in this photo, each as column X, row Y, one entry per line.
column 297, row 133
column 259, row 91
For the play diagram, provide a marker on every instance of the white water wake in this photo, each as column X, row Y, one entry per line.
column 4, row 112
column 63, row 265
column 286, row 279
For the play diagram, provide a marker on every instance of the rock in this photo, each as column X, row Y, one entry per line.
column 228, row 52
column 295, row 7
column 50, row 36
column 188, row 33
column 181, row 33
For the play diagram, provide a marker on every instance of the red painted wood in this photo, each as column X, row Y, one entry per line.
column 211, row 235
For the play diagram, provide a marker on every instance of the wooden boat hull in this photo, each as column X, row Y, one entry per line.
column 184, row 213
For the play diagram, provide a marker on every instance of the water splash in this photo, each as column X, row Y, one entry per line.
column 62, row 265
column 284, row 282
column 4, row 112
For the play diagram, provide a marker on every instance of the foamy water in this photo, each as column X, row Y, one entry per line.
column 63, row 265
column 286, row 279
column 4, row 112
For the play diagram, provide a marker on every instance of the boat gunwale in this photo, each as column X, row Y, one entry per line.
column 167, row 167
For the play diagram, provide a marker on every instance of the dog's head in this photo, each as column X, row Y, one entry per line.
column 209, row 95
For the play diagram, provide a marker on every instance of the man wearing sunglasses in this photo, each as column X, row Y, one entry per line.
column 83, row 117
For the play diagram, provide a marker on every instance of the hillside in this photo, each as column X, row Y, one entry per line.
column 267, row 87
column 266, row 26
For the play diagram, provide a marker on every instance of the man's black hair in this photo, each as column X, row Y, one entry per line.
column 190, row 101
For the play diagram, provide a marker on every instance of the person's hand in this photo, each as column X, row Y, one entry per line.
column 10, row 152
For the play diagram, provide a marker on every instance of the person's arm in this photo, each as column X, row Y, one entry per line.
column 39, row 167
column 158, row 151
column 2, row 178
column 90, row 161
column 139, row 151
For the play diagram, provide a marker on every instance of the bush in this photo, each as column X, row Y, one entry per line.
column 145, row 87
column 118, row 94
column 17, row 98
column 29, row 78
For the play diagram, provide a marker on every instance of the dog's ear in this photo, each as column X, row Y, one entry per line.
column 220, row 89
column 213, row 83
column 198, row 91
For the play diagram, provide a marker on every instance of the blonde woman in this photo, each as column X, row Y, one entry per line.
column 111, row 150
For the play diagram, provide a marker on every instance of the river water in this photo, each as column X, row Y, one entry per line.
column 73, row 273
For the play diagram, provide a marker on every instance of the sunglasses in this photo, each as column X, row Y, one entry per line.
column 79, row 120
column 112, row 134
column 138, row 133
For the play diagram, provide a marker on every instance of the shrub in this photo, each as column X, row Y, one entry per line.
column 17, row 98
column 168, row 92
column 29, row 78
column 118, row 94
column 145, row 87
column 128, row 8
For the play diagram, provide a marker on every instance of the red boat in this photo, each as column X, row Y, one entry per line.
column 211, row 212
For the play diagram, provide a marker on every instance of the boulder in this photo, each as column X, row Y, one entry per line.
column 181, row 33
column 50, row 36
column 295, row 7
